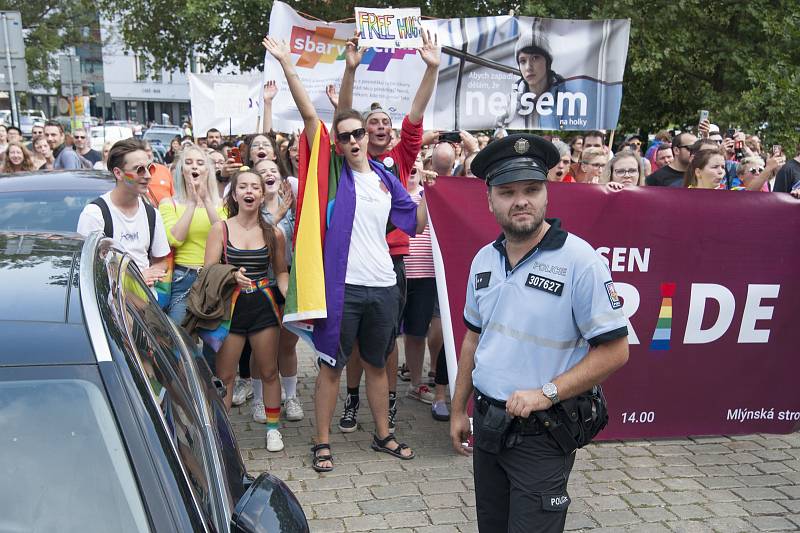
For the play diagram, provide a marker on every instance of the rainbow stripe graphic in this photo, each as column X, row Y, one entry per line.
column 321, row 46
column 661, row 336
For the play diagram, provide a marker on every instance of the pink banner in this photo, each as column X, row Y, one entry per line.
column 710, row 283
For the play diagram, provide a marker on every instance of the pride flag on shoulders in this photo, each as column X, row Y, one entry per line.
column 305, row 298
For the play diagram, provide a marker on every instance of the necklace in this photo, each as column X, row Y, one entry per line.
column 247, row 228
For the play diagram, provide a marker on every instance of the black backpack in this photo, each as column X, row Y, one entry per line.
column 108, row 222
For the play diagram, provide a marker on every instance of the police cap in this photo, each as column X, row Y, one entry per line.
column 518, row 157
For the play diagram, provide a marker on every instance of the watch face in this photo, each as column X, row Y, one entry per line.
column 549, row 389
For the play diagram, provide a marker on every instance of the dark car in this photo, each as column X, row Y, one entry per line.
column 111, row 419
column 49, row 201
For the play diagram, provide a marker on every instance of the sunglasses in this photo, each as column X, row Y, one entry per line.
column 141, row 171
column 357, row 134
column 81, row 137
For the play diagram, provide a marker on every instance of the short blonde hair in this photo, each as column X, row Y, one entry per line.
column 623, row 154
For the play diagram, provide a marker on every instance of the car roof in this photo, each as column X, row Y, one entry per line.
column 58, row 180
column 44, row 324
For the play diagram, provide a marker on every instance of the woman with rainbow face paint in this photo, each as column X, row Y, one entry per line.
column 188, row 217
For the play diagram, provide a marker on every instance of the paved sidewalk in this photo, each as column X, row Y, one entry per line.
column 725, row 484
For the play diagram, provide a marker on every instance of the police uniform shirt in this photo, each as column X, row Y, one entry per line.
column 538, row 320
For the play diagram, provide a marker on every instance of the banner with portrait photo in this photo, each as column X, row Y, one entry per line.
column 530, row 73
column 387, row 76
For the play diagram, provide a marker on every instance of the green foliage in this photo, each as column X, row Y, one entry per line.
column 51, row 26
column 737, row 59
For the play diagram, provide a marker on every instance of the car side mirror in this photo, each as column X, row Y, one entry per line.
column 268, row 506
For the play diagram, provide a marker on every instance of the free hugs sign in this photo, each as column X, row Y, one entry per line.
column 389, row 28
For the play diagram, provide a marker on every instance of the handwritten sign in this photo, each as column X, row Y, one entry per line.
column 389, row 28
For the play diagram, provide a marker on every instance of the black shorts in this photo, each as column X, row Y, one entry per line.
column 369, row 317
column 252, row 313
column 419, row 306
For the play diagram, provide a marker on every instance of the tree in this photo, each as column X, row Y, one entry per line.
column 50, row 26
column 737, row 59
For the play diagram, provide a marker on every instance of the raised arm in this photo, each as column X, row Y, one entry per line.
column 431, row 55
column 270, row 90
column 352, row 58
column 279, row 49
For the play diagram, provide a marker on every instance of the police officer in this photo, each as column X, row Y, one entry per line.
column 544, row 329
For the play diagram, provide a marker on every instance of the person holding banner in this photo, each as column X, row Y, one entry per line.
column 544, row 328
column 359, row 287
column 399, row 160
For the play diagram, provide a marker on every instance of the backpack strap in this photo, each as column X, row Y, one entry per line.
column 151, row 224
column 108, row 223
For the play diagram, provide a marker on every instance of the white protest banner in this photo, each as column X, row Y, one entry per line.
column 390, row 77
column 389, row 28
column 230, row 103
column 530, row 73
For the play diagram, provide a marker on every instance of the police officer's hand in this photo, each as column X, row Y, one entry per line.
column 459, row 432
column 523, row 402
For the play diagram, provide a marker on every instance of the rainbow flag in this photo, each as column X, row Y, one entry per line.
column 305, row 298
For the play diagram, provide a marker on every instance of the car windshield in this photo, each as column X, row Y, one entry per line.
column 63, row 461
column 163, row 136
column 55, row 211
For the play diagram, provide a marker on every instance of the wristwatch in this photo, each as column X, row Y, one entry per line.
column 551, row 392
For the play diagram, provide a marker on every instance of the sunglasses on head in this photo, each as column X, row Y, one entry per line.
column 344, row 137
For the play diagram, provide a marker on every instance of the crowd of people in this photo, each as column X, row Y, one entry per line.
column 208, row 191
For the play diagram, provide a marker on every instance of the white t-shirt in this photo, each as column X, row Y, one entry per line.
column 368, row 262
column 132, row 233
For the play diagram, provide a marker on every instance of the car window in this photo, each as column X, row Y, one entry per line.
column 62, row 460
column 55, row 211
column 164, row 370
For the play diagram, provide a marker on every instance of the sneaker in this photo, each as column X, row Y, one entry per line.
column 349, row 420
column 392, row 414
column 274, row 440
column 439, row 411
column 242, row 391
column 294, row 409
column 259, row 413
column 422, row 393
column 404, row 373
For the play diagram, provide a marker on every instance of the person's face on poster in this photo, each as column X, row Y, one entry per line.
column 534, row 71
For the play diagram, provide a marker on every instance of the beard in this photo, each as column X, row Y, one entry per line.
column 519, row 230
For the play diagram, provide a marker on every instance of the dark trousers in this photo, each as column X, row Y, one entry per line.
column 522, row 489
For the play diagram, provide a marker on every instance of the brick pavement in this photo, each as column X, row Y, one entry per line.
column 724, row 484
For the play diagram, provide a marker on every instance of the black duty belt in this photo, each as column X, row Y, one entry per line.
column 524, row 426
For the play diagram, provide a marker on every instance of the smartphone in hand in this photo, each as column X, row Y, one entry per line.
column 450, row 136
column 235, row 154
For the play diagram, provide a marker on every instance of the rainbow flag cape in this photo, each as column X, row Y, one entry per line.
column 324, row 223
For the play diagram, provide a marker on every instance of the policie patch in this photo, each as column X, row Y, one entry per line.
column 545, row 284
column 482, row 280
column 555, row 502
column 613, row 296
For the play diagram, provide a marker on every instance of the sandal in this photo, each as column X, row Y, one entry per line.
column 379, row 445
column 321, row 458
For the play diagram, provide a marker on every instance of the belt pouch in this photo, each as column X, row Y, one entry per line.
column 492, row 428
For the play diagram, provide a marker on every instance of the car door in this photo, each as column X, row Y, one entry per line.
column 166, row 370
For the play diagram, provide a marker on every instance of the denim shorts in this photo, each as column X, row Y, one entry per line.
column 182, row 280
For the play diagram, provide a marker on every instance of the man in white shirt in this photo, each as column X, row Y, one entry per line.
column 123, row 215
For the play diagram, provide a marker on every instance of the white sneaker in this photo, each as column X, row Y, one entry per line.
column 294, row 409
column 259, row 413
column 242, row 391
column 274, row 440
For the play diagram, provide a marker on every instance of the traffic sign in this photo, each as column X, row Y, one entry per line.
column 69, row 69
column 16, row 44
column 20, row 72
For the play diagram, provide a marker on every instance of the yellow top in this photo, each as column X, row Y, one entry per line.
column 189, row 252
